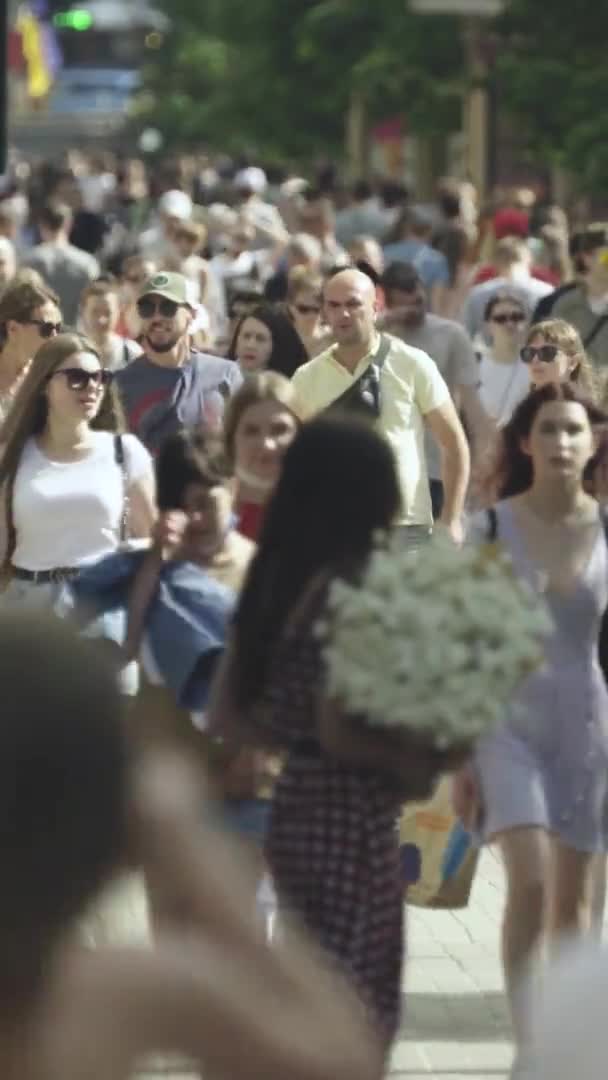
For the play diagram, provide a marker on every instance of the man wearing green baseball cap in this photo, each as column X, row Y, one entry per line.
column 170, row 386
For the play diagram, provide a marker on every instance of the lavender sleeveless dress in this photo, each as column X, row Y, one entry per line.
column 547, row 766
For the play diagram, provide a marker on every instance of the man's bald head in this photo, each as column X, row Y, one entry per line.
column 351, row 280
column 350, row 308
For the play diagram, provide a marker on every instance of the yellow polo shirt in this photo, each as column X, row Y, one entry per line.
column 411, row 387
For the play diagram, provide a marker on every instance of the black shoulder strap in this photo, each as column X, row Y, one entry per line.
column 119, row 457
column 119, row 450
column 492, row 533
column 595, row 329
column 376, row 361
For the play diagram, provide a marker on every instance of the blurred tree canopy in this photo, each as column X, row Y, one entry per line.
column 278, row 77
column 553, row 79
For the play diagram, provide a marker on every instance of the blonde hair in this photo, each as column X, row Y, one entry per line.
column 301, row 279
column 262, row 386
column 567, row 339
column 28, row 415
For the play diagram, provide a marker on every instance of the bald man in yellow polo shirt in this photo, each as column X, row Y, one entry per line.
column 414, row 396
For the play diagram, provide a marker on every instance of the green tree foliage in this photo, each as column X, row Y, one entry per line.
column 279, row 76
column 553, row 79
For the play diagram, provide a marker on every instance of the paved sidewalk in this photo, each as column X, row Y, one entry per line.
column 455, row 1016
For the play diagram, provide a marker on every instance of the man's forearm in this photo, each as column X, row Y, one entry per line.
column 455, row 471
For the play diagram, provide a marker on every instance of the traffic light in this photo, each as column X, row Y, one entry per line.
column 77, row 19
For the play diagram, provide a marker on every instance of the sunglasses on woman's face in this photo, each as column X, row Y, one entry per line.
column 79, row 379
column 509, row 317
column 545, row 353
column 307, row 309
column 148, row 306
column 45, row 329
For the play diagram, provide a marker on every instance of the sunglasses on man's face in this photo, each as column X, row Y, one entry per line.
column 515, row 317
column 45, row 329
column 545, row 353
column 79, row 379
column 149, row 306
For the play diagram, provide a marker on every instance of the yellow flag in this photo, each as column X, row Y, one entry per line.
column 39, row 80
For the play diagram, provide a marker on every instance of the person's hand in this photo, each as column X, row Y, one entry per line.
column 466, row 796
column 169, row 531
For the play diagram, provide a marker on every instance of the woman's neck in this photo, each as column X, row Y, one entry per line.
column 61, row 437
column 251, row 489
column 505, row 352
column 552, row 501
column 12, row 366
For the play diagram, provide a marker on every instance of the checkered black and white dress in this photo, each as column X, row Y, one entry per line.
column 332, row 842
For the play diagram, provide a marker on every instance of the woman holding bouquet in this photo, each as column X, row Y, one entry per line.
column 542, row 776
column 332, row 844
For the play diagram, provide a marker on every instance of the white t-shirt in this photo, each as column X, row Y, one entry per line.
column 70, row 513
column 502, row 387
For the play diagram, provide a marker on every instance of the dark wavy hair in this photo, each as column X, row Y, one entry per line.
column 511, row 471
column 288, row 350
column 338, row 485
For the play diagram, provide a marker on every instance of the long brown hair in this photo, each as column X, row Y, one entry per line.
column 511, row 471
column 29, row 413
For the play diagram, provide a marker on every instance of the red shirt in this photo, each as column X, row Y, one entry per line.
column 250, row 518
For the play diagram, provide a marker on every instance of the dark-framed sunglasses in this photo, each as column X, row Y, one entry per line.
column 308, row 309
column 148, row 306
column 46, row 329
column 545, row 353
column 79, row 379
column 515, row 317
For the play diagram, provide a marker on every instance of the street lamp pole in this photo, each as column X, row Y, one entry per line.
column 476, row 105
column 4, row 14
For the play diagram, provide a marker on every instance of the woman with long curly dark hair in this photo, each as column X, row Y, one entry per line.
column 539, row 786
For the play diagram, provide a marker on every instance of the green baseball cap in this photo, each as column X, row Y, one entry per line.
column 172, row 286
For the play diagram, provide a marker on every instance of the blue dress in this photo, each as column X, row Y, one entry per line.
column 547, row 765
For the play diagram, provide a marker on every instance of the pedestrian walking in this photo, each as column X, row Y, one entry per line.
column 543, row 777
column 74, row 486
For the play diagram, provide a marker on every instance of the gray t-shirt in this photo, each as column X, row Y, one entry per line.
column 67, row 270
column 448, row 344
column 161, row 400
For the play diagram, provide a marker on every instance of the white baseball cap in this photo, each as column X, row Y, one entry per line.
column 252, row 178
column 176, row 204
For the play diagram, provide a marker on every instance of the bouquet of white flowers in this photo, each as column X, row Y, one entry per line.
column 432, row 644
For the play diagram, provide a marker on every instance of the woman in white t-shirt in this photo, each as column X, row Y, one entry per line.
column 73, row 487
column 504, row 380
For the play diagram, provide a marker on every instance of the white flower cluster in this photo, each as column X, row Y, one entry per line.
column 434, row 642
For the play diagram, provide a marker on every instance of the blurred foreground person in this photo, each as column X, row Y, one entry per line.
column 217, row 994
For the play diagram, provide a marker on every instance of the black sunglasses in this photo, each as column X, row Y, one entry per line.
column 148, row 306
column 307, row 309
column 546, row 353
column 512, row 317
column 79, row 379
column 47, row 329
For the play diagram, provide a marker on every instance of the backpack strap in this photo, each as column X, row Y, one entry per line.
column 119, row 457
column 492, row 533
column 595, row 330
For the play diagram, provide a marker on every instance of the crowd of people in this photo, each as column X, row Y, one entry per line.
column 217, row 386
